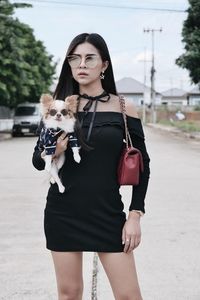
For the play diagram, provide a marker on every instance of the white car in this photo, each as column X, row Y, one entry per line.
column 26, row 119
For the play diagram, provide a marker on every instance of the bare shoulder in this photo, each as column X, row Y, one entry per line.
column 131, row 109
column 114, row 102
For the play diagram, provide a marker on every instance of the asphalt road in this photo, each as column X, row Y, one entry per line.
column 168, row 259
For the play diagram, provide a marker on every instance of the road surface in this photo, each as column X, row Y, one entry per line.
column 168, row 259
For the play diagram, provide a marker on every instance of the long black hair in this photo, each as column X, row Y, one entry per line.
column 67, row 85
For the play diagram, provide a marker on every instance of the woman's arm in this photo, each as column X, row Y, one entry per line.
column 138, row 140
column 131, row 233
column 37, row 160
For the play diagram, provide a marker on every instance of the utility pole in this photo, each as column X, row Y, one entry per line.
column 145, row 60
column 153, row 93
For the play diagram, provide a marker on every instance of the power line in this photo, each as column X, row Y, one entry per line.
column 109, row 6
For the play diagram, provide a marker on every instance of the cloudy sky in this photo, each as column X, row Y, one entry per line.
column 121, row 23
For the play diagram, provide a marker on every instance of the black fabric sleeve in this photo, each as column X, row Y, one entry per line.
column 37, row 160
column 138, row 140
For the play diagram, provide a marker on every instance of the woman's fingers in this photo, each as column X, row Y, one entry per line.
column 61, row 144
column 123, row 236
column 137, row 241
column 134, row 243
column 62, row 137
column 131, row 243
column 131, row 234
column 127, row 243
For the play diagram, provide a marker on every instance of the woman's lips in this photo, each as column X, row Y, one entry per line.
column 82, row 74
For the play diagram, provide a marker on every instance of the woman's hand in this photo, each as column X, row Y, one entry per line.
column 131, row 233
column 61, row 145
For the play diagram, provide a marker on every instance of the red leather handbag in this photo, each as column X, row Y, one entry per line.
column 131, row 161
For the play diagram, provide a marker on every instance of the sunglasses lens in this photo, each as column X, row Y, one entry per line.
column 64, row 112
column 74, row 61
column 52, row 112
column 91, row 61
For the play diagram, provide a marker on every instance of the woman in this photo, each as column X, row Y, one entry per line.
column 89, row 215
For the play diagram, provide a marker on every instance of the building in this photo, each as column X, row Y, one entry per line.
column 177, row 97
column 135, row 90
column 194, row 97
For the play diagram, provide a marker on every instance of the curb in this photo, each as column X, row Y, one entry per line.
column 176, row 131
column 5, row 136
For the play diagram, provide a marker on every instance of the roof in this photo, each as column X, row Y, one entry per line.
column 195, row 91
column 128, row 85
column 174, row 93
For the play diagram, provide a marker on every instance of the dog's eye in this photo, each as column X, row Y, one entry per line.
column 64, row 112
column 53, row 112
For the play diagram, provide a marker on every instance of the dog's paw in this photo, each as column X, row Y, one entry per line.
column 77, row 158
column 52, row 180
column 61, row 188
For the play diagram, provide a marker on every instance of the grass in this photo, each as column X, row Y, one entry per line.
column 184, row 125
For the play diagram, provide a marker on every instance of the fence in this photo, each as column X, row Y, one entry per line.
column 170, row 114
column 6, row 125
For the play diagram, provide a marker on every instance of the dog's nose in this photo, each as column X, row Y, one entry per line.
column 58, row 115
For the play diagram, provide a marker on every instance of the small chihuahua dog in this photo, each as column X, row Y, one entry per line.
column 58, row 116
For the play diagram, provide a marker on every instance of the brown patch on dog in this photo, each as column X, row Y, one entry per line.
column 46, row 100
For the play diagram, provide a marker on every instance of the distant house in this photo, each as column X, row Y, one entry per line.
column 194, row 96
column 134, row 90
column 174, row 97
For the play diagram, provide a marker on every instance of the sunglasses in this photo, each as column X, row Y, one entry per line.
column 53, row 112
column 91, row 61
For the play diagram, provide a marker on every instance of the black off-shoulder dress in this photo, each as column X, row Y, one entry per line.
column 89, row 215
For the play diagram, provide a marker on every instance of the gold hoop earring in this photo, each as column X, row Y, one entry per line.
column 102, row 76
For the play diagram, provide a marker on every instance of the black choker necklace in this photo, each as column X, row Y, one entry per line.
column 93, row 98
column 88, row 105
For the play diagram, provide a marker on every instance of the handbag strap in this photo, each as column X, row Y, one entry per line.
column 123, row 110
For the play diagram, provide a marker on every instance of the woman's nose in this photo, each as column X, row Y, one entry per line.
column 82, row 64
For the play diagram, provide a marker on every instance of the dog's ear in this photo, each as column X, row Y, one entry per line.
column 72, row 102
column 46, row 100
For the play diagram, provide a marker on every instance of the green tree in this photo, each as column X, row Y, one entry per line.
column 26, row 69
column 190, row 60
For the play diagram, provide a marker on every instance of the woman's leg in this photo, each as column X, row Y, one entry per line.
column 121, row 272
column 68, row 268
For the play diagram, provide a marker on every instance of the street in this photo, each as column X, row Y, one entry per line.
column 168, row 260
